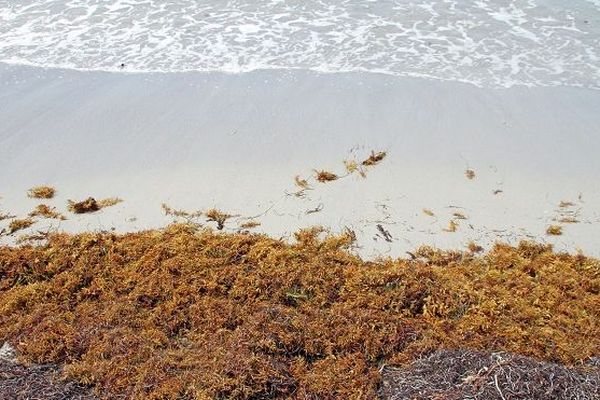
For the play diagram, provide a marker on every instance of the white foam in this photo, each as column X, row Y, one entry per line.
column 486, row 42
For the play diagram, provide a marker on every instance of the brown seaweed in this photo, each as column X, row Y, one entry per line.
column 41, row 192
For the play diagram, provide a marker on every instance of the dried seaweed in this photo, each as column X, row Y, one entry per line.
column 351, row 166
column 186, row 215
column 90, row 205
column 249, row 225
column 4, row 216
column 19, row 224
column 184, row 313
column 44, row 211
column 566, row 204
column 325, row 176
column 554, row 230
column 214, row 215
column 375, row 158
column 428, row 212
column 452, row 226
column 41, row 192
column 459, row 215
column 301, row 183
column 464, row 374
column 474, row 247
column 18, row 382
column 568, row 220
column 109, row 202
column 33, row 238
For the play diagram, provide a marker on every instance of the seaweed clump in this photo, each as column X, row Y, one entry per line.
column 250, row 224
column 19, row 224
column 214, row 215
column 41, row 192
column 325, row 176
column 90, row 205
column 374, row 158
column 44, row 211
column 190, row 313
column 554, row 230
column 428, row 212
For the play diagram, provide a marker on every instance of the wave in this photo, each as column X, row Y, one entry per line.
column 487, row 43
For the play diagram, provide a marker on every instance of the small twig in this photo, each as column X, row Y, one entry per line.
column 498, row 387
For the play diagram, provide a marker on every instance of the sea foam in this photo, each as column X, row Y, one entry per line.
column 497, row 43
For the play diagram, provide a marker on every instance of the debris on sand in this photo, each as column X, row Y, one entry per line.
column 88, row 205
column 568, row 220
column 351, row 166
column 4, row 216
column 375, row 158
column 109, row 202
column 33, row 238
column 554, row 230
column 452, row 226
column 21, row 382
column 301, row 183
column 325, row 176
column 497, row 191
column 566, row 213
column 19, row 224
column 474, row 247
column 44, row 211
column 428, row 212
column 214, row 215
column 467, row 374
column 250, row 225
column 187, row 215
column 387, row 236
column 41, row 192
column 470, row 174
column 315, row 210
column 566, row 204
column 459, row 215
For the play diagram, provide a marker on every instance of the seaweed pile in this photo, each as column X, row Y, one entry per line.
column 190, row 313
column 465, row 374
column 39, row 382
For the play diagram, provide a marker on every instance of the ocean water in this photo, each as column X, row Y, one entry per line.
column 491, row 43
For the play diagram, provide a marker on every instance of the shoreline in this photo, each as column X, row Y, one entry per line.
column 276, row 69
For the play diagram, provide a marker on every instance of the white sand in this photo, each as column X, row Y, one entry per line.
column 198, row 140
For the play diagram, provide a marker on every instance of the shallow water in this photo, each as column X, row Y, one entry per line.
column 497, row 43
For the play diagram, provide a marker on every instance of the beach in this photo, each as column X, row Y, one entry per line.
column 198, row 140
column 342, row 199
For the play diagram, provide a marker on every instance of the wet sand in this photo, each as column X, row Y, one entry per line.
column 235, row 142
